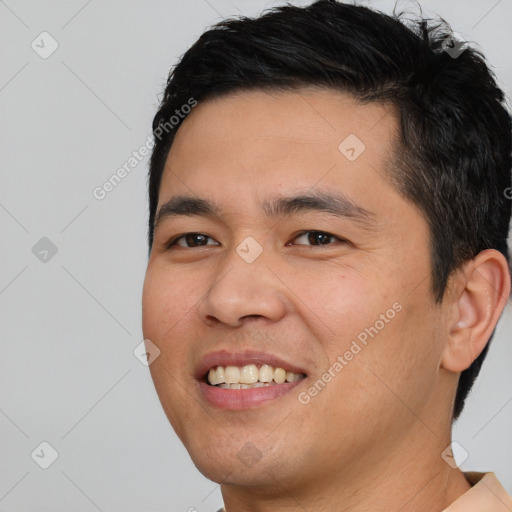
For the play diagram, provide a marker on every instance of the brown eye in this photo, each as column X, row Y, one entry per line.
column 318, row 238
column 191, row 240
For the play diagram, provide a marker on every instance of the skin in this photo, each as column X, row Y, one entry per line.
column 372, row 438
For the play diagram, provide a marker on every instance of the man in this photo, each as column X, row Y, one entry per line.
column 328, row 258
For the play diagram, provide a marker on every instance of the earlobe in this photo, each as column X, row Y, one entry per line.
column 484, row 288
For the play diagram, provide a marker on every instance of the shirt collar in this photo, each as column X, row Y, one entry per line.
column 486, row 495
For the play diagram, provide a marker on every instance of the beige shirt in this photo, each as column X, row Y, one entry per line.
column 486, row 495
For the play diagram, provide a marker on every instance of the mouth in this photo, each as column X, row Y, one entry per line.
column 250, row 376
column 234, row 381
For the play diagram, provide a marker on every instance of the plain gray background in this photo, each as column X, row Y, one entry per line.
column 71, row 320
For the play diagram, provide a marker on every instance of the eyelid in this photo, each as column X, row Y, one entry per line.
column 172, row 243
column 331, row 235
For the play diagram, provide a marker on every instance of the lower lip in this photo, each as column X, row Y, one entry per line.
column 238, row 399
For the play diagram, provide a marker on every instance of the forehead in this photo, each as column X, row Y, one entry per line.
column 284, row 141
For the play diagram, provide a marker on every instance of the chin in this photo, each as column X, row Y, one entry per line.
column 235, row 473
column 232, row 463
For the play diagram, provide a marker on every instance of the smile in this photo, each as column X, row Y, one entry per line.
column 246, row 379
column 250, row 376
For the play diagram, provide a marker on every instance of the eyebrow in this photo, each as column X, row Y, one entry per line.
column 336, row 204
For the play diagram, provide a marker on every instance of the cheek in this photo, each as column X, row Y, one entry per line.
column 166, row 304
column 167, row 298
column 154, row 303
column 404, row 356
column 376, row 319
column 343, row 300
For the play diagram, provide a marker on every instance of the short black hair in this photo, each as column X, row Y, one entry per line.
column 453, row 151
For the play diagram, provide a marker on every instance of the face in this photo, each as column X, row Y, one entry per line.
column 292, row 251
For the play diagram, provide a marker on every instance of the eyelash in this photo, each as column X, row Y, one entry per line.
column 174, row 241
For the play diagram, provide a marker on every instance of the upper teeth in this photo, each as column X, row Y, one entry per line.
column 250, row 374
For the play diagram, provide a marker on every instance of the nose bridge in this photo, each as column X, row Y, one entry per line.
column 244, row 287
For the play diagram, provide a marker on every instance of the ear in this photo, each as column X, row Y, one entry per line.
column 479, row 293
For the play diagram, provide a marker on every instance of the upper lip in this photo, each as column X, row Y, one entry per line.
column 242, row 358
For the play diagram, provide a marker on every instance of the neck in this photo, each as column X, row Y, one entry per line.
column 410, row 477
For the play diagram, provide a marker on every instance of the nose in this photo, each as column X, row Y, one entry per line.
column 241, row 292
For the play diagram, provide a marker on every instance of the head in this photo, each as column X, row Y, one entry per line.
column 281, row 106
